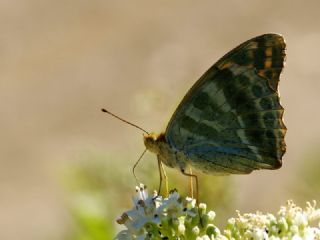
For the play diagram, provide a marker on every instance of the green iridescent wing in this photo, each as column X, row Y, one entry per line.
column 230, row 121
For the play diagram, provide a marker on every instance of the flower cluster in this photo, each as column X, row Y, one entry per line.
column 155, row 217
column 291, row 222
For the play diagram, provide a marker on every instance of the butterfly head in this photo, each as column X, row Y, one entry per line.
column 152, row 141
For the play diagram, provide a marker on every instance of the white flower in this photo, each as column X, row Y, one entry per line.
column 294, row 229
column 172, row 206
column 205, row 237
column 259, row 234
column 231, row 221
column 310, row 233
column 181, row 228
column 211, row 215
column 142, row 213
column 190, row 202
column 154, row 217
column 196, row 230
column 296, row 237
column 274, row 238
column 203, row 206
column 123, row 235
column 300, row 219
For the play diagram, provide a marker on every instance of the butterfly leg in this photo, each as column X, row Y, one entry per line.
column 197, row 185
column 191, row 183
column 165, row 178
column 197, row 188
column 160, row 175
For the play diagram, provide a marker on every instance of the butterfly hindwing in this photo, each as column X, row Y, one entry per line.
column 230, row 121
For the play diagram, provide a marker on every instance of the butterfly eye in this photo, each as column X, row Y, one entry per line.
column 148, row 139
column 154, row 136
column 151, row 137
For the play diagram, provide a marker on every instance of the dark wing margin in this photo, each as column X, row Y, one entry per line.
column 266, row 53
column 230, row 121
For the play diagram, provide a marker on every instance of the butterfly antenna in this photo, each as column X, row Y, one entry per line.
column 134, row 166
column 121, row 119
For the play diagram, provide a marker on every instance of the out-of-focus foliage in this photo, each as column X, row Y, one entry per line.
column 306, row 178
column 91, row 199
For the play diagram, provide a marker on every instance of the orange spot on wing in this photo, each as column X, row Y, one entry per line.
column 226, row 65
column 267, row 63
column 268, row 52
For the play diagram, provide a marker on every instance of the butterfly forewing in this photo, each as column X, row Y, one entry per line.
column 230, row 121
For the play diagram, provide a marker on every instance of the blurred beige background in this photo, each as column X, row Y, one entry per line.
column 61, row 61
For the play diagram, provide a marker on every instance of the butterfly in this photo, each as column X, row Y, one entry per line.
column 231, row 120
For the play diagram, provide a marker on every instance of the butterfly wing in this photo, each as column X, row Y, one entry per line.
column 230, row 121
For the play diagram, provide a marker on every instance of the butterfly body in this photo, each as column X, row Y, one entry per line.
column 167, row 154
column 230, row 121
column 179, row 159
